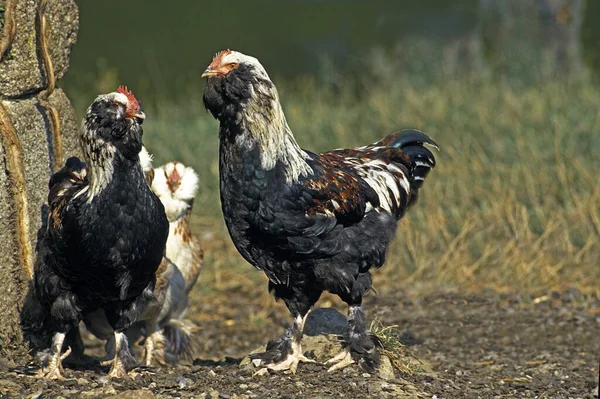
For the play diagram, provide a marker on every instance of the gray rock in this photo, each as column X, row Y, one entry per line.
column 325, row 321
column 22, row 70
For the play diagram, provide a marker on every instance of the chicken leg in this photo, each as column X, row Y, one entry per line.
column 123, row 360
column 361, row 344
column 154, row 345
column 288, row 345
column 53, row 368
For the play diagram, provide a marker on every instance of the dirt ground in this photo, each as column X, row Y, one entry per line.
column 483, row 345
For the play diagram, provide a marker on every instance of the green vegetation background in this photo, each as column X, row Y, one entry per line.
column 515, row 199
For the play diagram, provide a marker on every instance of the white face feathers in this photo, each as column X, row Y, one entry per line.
column 176, row 185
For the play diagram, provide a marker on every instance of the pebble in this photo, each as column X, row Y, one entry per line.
column 9, row 384
column 103, row 380
column 184, row 382
column 82, row 381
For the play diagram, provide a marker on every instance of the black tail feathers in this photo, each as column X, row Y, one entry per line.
column 413, row 143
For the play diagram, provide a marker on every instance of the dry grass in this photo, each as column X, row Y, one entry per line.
column 514, row 201
column 401, row 358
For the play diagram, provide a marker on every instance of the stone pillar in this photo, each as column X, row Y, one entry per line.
column 38, row 130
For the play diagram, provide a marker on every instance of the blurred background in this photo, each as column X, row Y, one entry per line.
column 509, row 89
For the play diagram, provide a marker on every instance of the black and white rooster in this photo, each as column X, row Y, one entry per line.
column 104, row 241
column 312, row 222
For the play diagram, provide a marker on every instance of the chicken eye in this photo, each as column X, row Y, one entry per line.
column 232, row 66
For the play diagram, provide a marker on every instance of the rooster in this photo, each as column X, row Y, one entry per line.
column 104, row 241
column 167, row 334
column 312, row 222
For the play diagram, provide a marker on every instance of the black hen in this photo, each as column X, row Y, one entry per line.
column 104, row 240
column 311, row 222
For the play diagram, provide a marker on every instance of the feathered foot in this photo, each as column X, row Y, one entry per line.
column 180, row 342
column 340, row 361
column 361, row 345
column 154, row 348
column 284, row 353
column 123, row 361
column 52, row 367
column 289, row 363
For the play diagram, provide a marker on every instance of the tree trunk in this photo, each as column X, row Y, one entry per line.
column 38, row 129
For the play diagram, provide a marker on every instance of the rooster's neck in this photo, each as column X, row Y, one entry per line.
column 99, row 157
column 104, row 162
column 264, row 125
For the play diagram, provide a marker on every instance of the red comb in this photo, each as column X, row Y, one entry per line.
column 216, row 62
column 222, row 53
column 133, row 105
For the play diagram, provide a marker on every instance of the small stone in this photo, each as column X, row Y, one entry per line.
column 103, row 380
column 387, row 387
column 386, row 369
column 212, row 373
column 184, row 382
column 82, row 381
column 365, row 375
column 243, row 386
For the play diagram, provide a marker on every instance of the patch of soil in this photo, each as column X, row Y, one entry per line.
column 483, row 345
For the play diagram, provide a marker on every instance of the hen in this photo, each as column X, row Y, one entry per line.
column 104, row 241
column 177, row 185
column 167, row 334
column 312, row 222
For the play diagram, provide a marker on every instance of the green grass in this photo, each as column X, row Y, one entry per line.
column 513, row 203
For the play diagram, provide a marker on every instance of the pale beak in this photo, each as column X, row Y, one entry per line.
column 209, row 72
column 140, row 115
